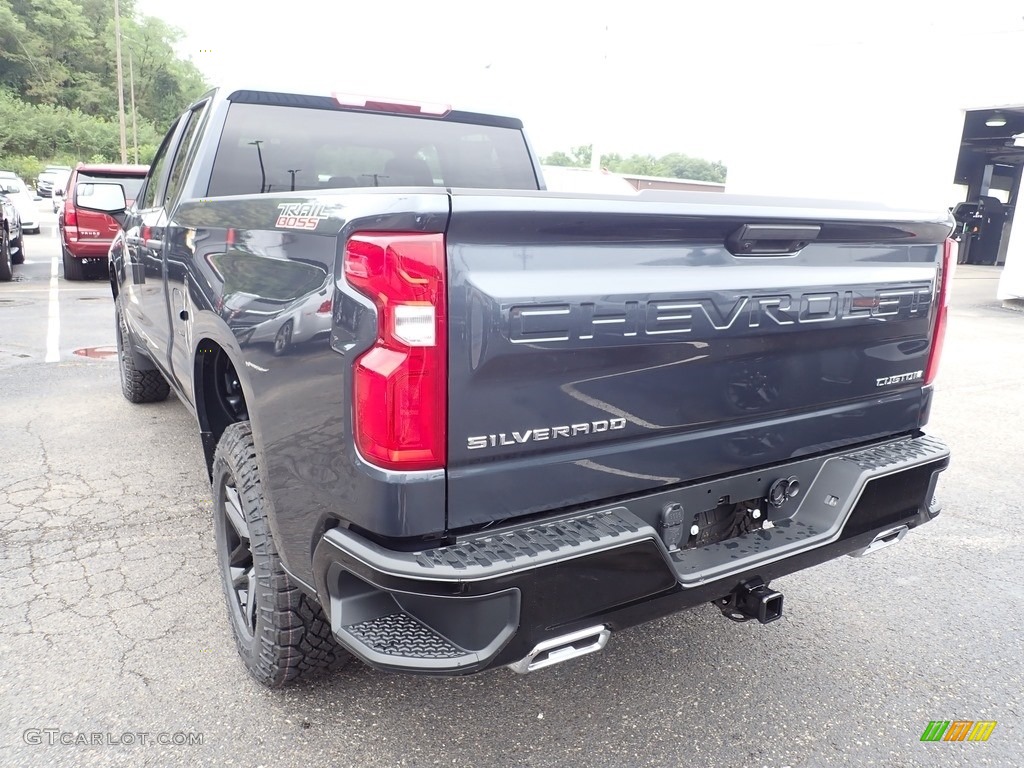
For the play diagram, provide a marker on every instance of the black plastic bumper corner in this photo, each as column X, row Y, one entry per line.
column 489, row 599
column 478, row 595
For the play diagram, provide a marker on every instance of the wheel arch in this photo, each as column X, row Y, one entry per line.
column 115, row 263
column 221, row 391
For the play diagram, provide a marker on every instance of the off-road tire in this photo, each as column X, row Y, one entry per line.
column 136, row 386
column 285, row 633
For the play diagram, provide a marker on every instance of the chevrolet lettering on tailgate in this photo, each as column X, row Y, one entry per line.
column 533, row 323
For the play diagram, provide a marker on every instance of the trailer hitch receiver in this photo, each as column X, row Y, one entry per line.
column 752, row 600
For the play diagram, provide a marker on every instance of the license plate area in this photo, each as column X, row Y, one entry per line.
column 719, row 510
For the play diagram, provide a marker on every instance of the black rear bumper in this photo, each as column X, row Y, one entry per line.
column 491, row 598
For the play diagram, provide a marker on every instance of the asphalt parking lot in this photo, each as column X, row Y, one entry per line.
column 113, row 628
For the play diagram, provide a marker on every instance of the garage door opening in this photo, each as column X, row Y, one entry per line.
column 989, row 165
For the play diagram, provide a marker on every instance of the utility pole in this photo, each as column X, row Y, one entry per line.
column 120, row 81
column 135, row 124
column 595, row 155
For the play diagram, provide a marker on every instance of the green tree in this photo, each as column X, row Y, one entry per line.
column 58, row 80
column 673, row 165
column 558, row 158
column 53, row 132
column 583, row 155
column 580, row 157
column 685, row 167
column 642, row 165
column 164, row 84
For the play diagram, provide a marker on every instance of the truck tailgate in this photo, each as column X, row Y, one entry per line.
column 602, row 347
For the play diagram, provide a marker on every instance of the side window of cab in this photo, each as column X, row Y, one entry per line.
column 148, row 198
column 185, row 153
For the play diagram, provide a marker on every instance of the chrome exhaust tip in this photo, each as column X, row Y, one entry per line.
column 882, row 540
column 559, row 649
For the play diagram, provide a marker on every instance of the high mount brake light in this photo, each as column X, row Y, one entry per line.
column 391, row 105
column 400, row 384
column 941, row 311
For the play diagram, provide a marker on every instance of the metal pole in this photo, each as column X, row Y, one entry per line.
column 120, row 81
column 135, row 124
column 595, row 155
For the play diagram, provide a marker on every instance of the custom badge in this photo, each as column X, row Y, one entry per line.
column 300, row 216
column 903, row 378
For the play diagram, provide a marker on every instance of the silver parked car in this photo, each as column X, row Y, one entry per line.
column 24, row 200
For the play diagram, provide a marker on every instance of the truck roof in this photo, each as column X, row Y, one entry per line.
column 115, row 168
column 246, row 93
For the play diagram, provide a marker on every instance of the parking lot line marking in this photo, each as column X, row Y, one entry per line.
column 53, row 324
column 46, row 289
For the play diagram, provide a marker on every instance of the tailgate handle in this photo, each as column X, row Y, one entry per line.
column 771, row 239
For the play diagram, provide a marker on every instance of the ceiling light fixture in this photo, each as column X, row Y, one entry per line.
column 996, row 120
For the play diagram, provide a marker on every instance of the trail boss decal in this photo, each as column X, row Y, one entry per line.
column 300, row 216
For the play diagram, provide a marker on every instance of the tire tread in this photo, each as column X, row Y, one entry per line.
column 73, row 268
column 294, row 635
column 137, row 386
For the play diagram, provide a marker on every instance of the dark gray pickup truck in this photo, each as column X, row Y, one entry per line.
column 454, row 421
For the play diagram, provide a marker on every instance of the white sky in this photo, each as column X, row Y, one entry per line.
column 743, row 82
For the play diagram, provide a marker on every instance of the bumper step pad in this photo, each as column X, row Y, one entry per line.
column 421, row 633
column 399, row 634
column 399, row 628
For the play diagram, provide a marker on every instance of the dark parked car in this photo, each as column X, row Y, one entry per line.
column 86, row 234
column 12, row 241
column 50, row 178
column 536, row 418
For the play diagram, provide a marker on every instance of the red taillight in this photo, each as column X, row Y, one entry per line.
column 941, row 310
column 325, row 308
column 400, row 387
column 401, row 106
column 70, row 223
